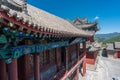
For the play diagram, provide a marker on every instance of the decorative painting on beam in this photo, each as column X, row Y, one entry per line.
column 38, row 47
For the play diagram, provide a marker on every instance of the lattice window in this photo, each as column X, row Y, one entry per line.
column 41, row 59
column 59, row 53
column 47, row 57
column 31, row 63
column 52, row 55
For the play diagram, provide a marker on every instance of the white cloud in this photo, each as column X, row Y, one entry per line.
column 96, row 18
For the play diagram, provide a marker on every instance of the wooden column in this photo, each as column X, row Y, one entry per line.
column 12, row 70
column 66, row 58
column 77, row 50
column 36, row 67
column 25, row 64
column 56, row 59
column 77, row 70
column 91, row 39
column 24, row 67
column 84, row 62
column 3, row 73
column 84, row 47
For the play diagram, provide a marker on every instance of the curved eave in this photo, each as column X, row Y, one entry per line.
column 89, row 25
column 81, row 20
column 19, row 20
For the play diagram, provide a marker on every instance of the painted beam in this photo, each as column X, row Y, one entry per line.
column 18, row 51
column 37, row 48
column 20, row 23
column 3, row 39
column 78, row 40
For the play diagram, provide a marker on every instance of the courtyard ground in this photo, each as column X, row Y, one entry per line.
column 105, row 69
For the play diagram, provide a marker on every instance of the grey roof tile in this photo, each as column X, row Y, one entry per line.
column 117, row 45
column 109, row 46
column 44, row 19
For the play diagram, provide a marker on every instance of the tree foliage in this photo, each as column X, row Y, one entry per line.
column 111, row 40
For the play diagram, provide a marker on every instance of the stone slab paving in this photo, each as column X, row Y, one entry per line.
column 106, row 69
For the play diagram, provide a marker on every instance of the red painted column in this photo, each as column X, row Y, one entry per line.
column 12, row 70
column 2, row 70
column 84, row 47
column 24, row 67
column 77, row 50
column 56, row 59
column 36, row 67
column 66, row 58
column 91, row 39
column 84, row 62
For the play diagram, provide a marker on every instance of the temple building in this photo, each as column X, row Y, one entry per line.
column 92, row 52
column 37, row 45
column 113, row 50
column 91, row 46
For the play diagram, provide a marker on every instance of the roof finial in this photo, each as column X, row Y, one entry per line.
column 19, row 5
column 24, row 10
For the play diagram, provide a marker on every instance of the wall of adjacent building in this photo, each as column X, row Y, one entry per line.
column 117, row 54
column 91, row 58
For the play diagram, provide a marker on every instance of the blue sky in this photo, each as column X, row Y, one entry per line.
column 107, row 11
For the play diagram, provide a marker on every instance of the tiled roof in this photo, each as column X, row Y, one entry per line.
column 113, row 46
column 81, row 20
column 87, row 25
column 95, row 46
column 82, row 23
column 117, row 45
column 109, row 46
column 42, row 19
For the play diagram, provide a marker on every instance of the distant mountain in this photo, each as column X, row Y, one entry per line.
column 103, row 37
column 107, row 36
column 111, row 40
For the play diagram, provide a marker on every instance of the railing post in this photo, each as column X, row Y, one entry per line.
column 77, row 74
column 36, row 67
column 12, row 70
column 3, row 73
column 84, row 67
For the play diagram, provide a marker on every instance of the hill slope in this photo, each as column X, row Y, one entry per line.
column 107, row 36
column 111, row 40
column 103, row 37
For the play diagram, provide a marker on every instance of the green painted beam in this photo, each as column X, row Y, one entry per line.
column 3, row 39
